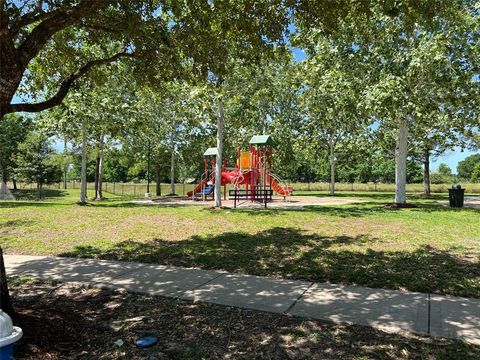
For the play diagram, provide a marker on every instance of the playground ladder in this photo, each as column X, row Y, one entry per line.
column 237, row 180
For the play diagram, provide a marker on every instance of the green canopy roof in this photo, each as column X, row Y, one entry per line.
column 211, row 152
column 261, row 140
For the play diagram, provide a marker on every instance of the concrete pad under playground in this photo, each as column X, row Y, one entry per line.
column 387, row 310
column 67, row 269
column 455, row 317
column 252, row 292
column 291, row 202
column 163, row 280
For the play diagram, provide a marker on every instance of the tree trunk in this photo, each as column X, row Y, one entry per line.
column 426, row 172
column 99, row 193
column 39, row 190
column 218, row 165
column 97, row 174
column 158, row 185
column 332, row 169
column 401, row 163
column 65, row 168
column 14, row 184
column 5, row 302
column 83, row 180
column 149, row 153
column 4, row 175
column 172, row 168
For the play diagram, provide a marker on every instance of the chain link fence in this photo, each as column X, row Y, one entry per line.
column 116, row 188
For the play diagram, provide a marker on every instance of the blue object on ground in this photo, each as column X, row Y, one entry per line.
column 146, row 341
column 207, row 190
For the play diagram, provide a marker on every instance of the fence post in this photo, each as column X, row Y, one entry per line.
column 114, row 188
column 122, row 189
column 134, row 190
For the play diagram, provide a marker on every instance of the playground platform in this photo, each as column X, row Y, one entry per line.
column 278, row 202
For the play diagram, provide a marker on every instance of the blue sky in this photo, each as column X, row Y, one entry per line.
column 452, row 158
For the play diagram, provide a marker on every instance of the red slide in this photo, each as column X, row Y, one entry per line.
column 282, row 190
column 228, row 177
column 198, row 188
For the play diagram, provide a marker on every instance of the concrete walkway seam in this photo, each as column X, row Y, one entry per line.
column 298, row 298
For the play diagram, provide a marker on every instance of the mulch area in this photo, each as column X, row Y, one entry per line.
column 68, row 321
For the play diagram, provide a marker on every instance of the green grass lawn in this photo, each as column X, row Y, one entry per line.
column 428, row 248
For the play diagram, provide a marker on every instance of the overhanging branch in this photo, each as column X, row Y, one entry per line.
column 65, row 86
column 28, row 19
column 58, row 20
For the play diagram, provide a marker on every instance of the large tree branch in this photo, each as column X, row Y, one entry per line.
column 3, row 21
column 65, row 86
column 7, row 48
column 58, row 20
column 29, row 19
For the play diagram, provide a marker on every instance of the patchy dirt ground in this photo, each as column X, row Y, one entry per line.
column 68, row 321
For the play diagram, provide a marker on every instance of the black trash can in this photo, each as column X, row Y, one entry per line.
column 456, row 195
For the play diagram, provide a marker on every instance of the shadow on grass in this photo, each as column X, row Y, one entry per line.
column 66, row 202
column 348, row 194
column 384, row 196
column 293, row 253
column 352, row 210
column 361, row 209
column 39, row 204
column 13, row 224
column 47, row 194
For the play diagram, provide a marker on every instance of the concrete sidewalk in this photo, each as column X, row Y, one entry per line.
column 387, row 310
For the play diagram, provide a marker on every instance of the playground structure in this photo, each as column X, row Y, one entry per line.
column 251, row 180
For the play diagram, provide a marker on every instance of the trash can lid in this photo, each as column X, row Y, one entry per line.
column 8, row 333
